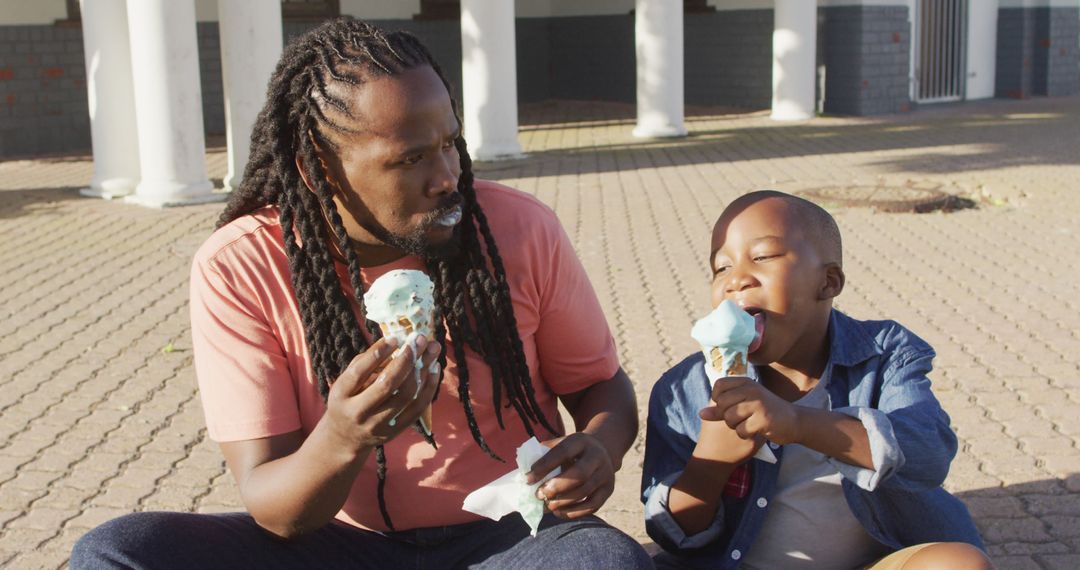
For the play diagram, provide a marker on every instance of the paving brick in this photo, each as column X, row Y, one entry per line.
column 1060, row 562
column 106, row 424
column 1016, row 563
column 93, row 516
column 1009, row 530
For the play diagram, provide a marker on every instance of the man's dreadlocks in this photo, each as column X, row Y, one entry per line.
column 305, row 110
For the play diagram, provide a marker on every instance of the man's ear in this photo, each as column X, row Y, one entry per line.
column 303, row 172
column 327, row 172
column 833, row 283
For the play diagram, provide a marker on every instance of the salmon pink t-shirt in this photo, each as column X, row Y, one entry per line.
column 255, row 376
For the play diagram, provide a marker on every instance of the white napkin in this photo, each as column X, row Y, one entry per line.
column 763, row 453
column 510, row 493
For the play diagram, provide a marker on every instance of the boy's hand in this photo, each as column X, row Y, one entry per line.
column 718, row 442
column 752, row 411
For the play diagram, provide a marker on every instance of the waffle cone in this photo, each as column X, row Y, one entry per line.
column 735, row 366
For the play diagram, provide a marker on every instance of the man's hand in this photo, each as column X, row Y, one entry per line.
column 586, row 481
column 753, row 411
column 375, row 398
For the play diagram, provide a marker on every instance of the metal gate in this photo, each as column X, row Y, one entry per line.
column 940, row 50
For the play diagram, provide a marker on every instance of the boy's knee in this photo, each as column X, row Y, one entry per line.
column 948, row 556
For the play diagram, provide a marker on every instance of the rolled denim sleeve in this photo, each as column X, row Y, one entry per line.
column 671, row 434
column 909, row 432
column 885, row 451
column 658, row 518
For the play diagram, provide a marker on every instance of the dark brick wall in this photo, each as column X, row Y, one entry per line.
column 1057, row 53
column 593, row 58
column 213, row 90
column 534, row 67
column 728, row 58
column 1037, row 52
column 43, row 106
column 867, row 59
column 1014, row 74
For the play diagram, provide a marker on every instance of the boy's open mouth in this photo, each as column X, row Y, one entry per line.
column 759, row 326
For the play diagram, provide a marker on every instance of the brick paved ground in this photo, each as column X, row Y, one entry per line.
column 99, row 415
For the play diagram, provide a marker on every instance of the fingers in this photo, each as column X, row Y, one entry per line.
column 584, row 485
column 574, row 485
column 358, row 374
column 711, row 413
column 586, row 507
column 563, row 453
column 729, row 383
column 390, row 380
column 407, row 399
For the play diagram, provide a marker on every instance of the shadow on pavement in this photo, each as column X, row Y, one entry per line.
column 39, row 201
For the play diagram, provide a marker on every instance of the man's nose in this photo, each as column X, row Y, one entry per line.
column 448, row 170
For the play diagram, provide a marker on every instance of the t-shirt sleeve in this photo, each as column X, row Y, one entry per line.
column 243, row 374
column 573, row 341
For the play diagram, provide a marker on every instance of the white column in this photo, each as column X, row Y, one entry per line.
column 111, row 96
column 981, row 49
column 658, row 35
column 168, row 104
column 794, row 59
column 489, row 78
column 251, row 44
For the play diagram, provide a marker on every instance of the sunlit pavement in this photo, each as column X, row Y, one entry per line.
column 100, row 416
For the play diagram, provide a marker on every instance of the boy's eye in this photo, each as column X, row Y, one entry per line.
column 721, row 270
column 448, row 144
column 765, row 257
column 410, row 160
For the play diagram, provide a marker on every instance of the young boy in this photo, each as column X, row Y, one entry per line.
column 862, row 445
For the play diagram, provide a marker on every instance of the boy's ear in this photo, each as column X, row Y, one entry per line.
column 833, row 283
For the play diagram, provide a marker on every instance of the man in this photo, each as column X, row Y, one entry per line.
column 358, row 167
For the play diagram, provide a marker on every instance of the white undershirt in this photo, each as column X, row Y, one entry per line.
column 809, row 524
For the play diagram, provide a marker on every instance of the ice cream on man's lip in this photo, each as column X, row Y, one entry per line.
column 402, row 301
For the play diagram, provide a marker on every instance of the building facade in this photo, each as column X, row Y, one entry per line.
column 871, row 57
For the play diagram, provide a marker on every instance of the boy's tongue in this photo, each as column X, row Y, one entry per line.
column 759, row 329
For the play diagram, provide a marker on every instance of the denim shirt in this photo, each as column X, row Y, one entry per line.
column 879, row 376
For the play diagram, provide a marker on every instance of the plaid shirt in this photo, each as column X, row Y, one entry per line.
column 738, row 485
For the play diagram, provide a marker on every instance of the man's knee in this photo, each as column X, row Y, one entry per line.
column 123, row 541
column 595, row 544
column 104, row 545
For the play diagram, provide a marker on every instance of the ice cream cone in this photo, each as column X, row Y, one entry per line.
column 403, row 303
column 725, row 335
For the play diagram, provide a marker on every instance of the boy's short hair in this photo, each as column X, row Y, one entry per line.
column 817, row 222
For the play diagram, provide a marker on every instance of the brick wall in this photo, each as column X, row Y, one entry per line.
column 867, row 59
column 1037, row 52
column 593, row 58
column 43, row 106
column 1057, row 53
column 213, row 90
column 728, row 58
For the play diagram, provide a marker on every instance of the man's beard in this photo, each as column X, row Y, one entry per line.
column 416, row 242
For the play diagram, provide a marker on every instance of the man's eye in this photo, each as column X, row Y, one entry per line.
column 413, row 159
column 765, row 257
column 448, row 144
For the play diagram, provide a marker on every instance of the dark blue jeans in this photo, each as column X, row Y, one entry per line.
column 234, row 540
